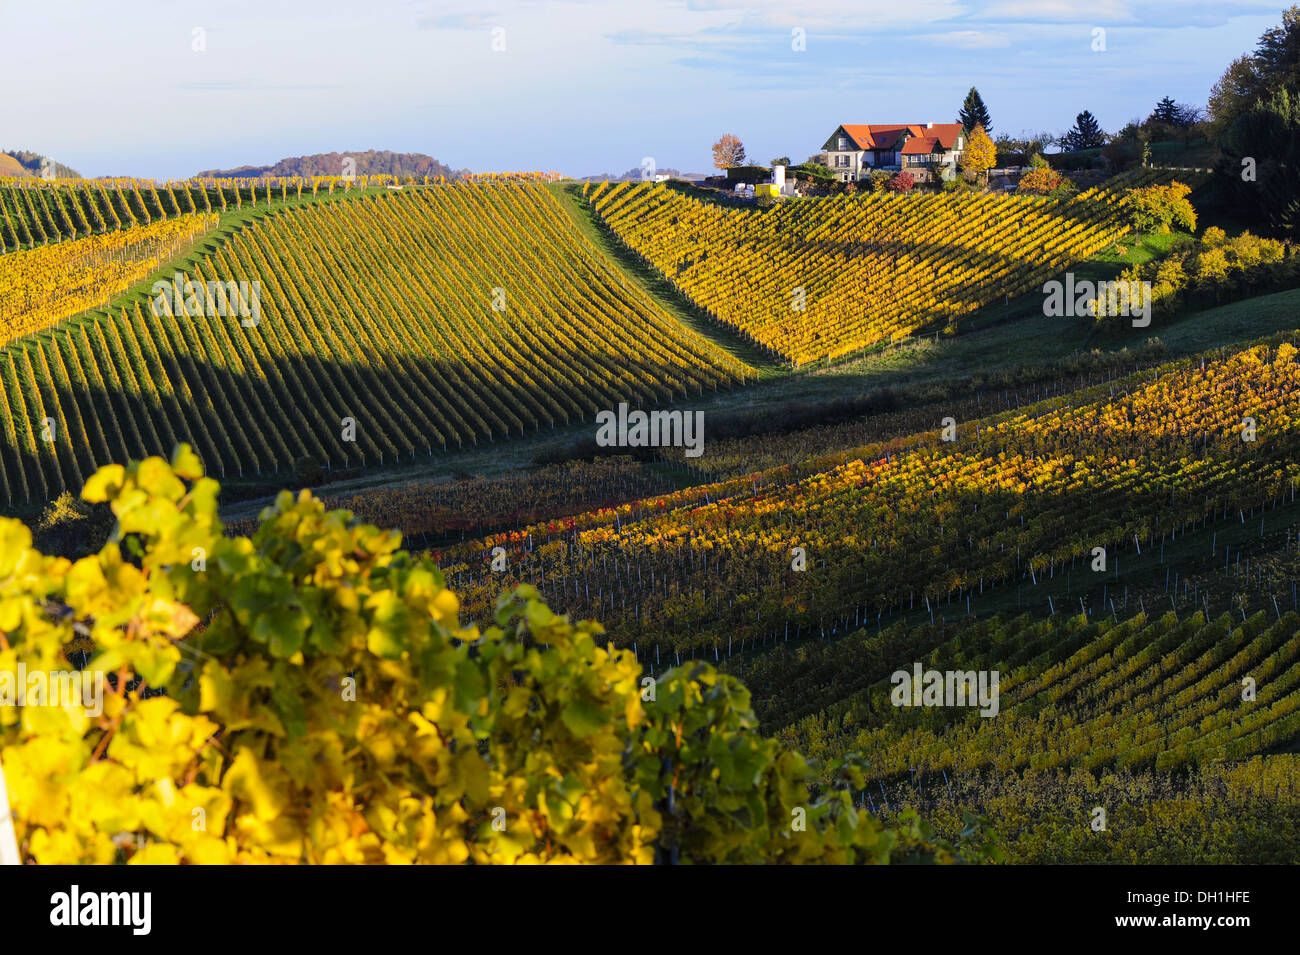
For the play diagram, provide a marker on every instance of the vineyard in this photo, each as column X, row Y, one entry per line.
column 477, row 505
column 1012, row 502
column 1139, row 693
column 39, row 287
column 1158, row 719
column 950, row 523
column 821, row 278
column 40, row 212
column 389, row 326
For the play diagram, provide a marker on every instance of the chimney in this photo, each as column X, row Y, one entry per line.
column 929, row 125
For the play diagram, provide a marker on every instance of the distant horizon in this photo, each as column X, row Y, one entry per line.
column 584, row 88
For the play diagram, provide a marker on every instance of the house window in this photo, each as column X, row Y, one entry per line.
column 844, row 142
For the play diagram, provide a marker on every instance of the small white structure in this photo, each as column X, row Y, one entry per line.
column 784, row 187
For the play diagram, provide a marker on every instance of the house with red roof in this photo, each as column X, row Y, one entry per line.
column 927, row 150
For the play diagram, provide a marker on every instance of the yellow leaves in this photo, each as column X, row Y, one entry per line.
column 446, row 607
column 38, row 774
column 105, row 796
column 57, row 846
column 106, row 588
column 156, row 741
column 260, row 787
column 185, row 464
column 381, row 733
column 169, row 619
column 65, row 278
column 402, row 747
column 104, row 484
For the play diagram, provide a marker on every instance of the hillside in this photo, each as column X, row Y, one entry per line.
column 819, row 279
column 22, row 162
column 369, row 162
column 385, row 327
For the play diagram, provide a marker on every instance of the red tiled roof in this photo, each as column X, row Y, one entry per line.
column 920, row 145
column 886, row 135
column 946, row 133
column 861, row 135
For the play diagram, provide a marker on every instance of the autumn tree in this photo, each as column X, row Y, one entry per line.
column 901, row 182
column 1040, row 181
column 980, row 154
column 1156, row 208
column 728, row 152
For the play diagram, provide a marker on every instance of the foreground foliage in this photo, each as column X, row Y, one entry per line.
column 323, row 704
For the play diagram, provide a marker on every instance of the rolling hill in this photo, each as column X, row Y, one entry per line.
column 369, row 162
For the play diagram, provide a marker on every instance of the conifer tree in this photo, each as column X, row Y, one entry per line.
column 974, row 113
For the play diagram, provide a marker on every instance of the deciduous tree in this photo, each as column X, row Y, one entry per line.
column 980, row 154
column 728, row 152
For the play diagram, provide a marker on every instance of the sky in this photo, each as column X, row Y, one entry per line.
column 166, row 88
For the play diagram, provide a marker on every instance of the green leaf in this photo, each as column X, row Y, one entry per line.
column 283, row 628
column 470, row 686
column 583, row 718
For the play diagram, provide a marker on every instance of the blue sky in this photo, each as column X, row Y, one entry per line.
column 117, row 87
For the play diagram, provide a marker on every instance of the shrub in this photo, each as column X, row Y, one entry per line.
column 1040, row 180
column 1216, row 270
column 901, row 182
column 1065, row 189
column 324, row 704
column 307, row 471
column 877, row 180
column 1213, row 237
column 1156, row 208
column 71, row 526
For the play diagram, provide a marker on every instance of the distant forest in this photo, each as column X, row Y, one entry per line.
column 372, row 162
